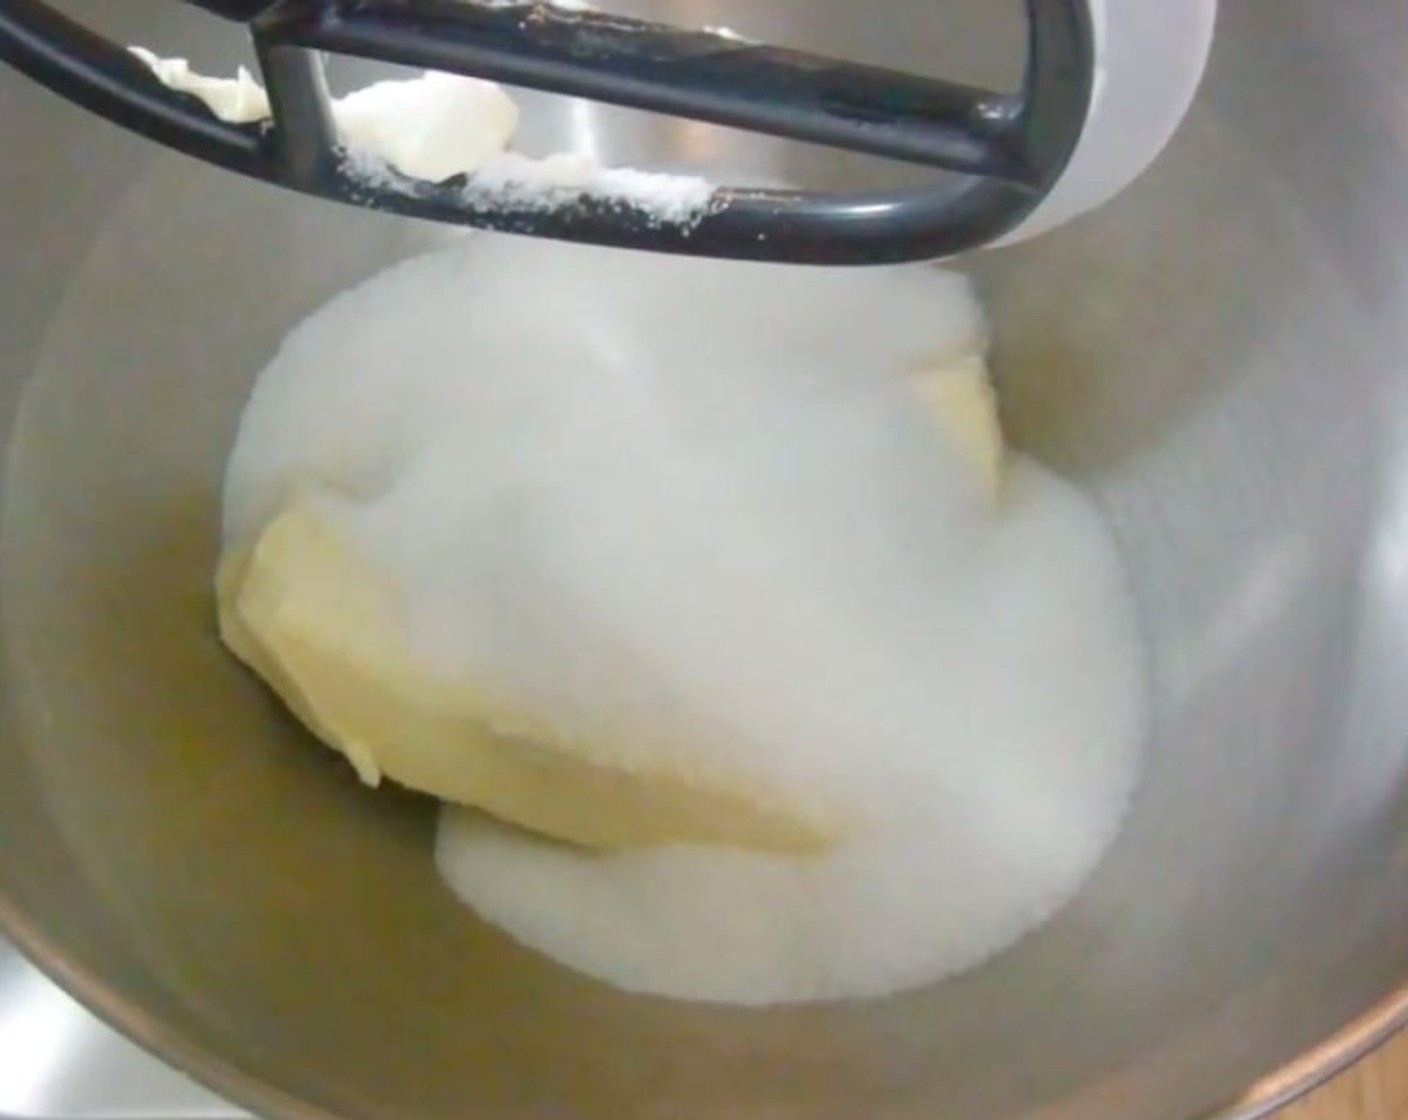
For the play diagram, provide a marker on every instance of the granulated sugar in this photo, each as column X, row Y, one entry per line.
column 694, row 510
column 519, row 181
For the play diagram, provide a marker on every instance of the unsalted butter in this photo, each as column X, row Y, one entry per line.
column 320, row 625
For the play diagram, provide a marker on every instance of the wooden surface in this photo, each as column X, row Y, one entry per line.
column 1376, row 1089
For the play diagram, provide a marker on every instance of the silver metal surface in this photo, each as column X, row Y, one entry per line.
column 1219, row 356
column 57, row 1062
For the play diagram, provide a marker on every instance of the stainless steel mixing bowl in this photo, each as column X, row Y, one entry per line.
column 1219, row 356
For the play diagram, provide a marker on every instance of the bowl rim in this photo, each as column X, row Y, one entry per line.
column 1269, row 1093
column 1321, row 1063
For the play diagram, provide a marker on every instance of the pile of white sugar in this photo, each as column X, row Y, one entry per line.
column 691, row 507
